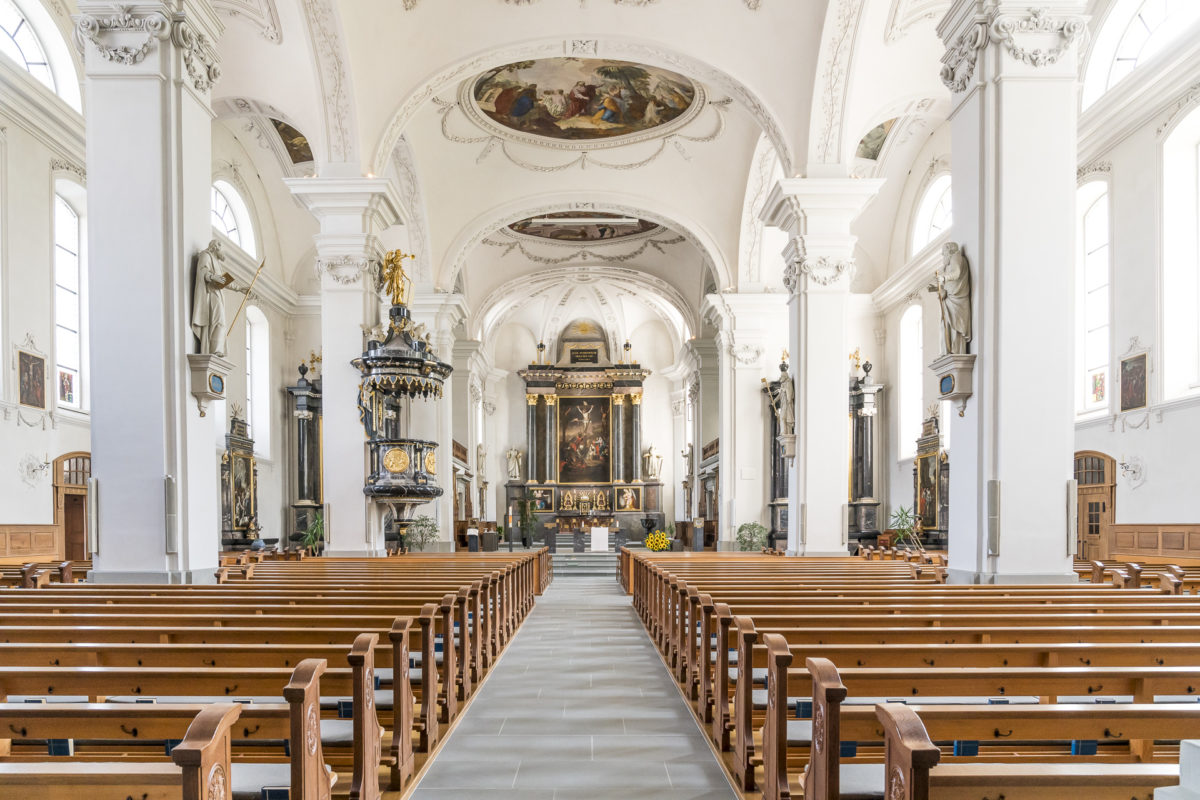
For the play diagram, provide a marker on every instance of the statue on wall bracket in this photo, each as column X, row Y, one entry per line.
column 954, row 367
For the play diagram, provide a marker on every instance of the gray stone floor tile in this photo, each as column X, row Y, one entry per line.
column 580, row 706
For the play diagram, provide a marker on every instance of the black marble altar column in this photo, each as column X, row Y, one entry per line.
column 531, row 461
column 864, row 507
column 618, row 439
column 551, row 443
column 635, row 411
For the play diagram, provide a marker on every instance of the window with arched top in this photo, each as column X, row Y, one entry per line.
column 1181, row 258
column 231, row 217
column 30, row 39
column 934, row 214
column 69, row 306
column 911, row 380
column 1092, row 307
column 1132, row 32
column 258, row 374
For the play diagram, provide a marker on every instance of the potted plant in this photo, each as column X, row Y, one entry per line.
column 657, row 542
column 421, row 533
column 314, row 534
column 904, row 523
column 751, row 537
column 525, row 519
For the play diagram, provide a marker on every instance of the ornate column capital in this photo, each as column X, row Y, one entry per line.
column 127, row 35
column 1035, row 37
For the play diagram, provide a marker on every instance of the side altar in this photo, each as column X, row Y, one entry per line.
column 584, row 465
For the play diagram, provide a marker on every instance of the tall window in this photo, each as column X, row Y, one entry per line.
column 68, row 309
column 231, row 217
column 1132, row 32
column 934, row 214
column 1181, row 259
column 912, row 380
column 30, row 38
column 258, row 373
column 1092, row 306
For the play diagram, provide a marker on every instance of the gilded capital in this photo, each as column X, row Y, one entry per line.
column 531, row 399
column 618, row 399
column 636, row 399
column 551, row 399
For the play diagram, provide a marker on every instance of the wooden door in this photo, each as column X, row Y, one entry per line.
column 1095, row 474
column 75, row 527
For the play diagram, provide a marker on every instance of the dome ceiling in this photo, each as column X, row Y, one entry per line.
column 594, row 102
column 582, row 227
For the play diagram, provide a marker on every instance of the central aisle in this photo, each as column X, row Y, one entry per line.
column 580, row 706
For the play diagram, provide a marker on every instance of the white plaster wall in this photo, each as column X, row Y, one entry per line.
column 1164, row 437
column 27, row 309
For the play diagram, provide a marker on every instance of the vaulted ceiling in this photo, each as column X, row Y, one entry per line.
column 469, row 109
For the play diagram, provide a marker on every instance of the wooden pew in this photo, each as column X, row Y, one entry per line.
column 123, row 726
column 912, row 771
column 200, row 771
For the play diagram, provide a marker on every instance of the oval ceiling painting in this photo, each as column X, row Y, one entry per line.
column 583, row 99
column 591, row 226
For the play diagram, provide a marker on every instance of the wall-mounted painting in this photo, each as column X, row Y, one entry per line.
column 542, row 499
column 295, row 142
column 578, row 99
column 1133, row 382
column 927, row 488
column 871, row 145
column 629, row 498
column 31, row 371
column 584, row 440
column 581, row 226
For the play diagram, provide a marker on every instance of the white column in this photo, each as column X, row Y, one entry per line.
column 1012, row 72
column 441, row 313
column 352, row 212
column 752, row 336
column 149, row 161
column 819, row 213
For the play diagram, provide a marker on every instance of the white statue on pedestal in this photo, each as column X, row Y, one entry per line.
column 783, row 401
column 208, row 307
column 481, row 462
column 952, row 284
column 652, row 464
column 515, row 457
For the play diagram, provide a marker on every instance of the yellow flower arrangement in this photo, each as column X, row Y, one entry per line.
column 658, row 542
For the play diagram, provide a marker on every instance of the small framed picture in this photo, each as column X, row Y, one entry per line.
column 31, row 371
column 1133, row 382
column 543, row 499
column 629, row 498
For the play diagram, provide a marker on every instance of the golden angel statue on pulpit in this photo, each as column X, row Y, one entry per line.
column 395, row 280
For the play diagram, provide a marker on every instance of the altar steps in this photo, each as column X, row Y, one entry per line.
column 584, row 565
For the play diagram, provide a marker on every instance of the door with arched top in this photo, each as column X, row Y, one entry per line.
column 71, row 473
column 1095, row 474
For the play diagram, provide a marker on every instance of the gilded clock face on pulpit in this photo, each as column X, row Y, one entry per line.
column 431, row 463
column 395, row 460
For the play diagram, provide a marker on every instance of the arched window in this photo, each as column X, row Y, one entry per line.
column 231, row 217
column 1092, row 341
column 29, row 37
column 1181, row 259
column 934, row 214
column 69, row 308
column 911, row 380
column 1132, row 32
column 258, row 374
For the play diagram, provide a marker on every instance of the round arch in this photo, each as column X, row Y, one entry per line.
column 627, row 49
column 472, row 234
column 667, row 303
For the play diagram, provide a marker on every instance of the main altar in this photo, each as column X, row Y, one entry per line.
column 584, row 465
